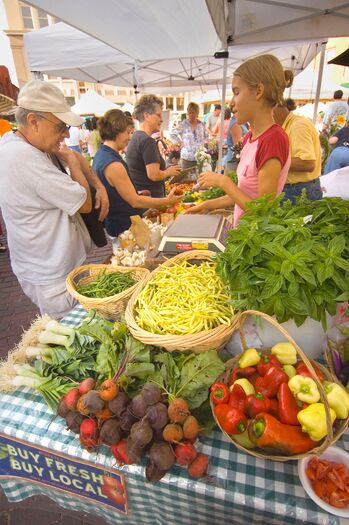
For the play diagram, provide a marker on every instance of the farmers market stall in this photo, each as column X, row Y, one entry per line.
column 38, row 455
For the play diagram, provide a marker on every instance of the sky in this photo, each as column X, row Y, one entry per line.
column 5, row 50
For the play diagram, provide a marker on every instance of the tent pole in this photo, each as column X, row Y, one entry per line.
column 319, row 80
column 224, row 90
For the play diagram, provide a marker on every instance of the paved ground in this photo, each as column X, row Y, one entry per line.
column 16, row 315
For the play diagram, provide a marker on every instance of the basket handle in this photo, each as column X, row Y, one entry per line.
column 241, row 320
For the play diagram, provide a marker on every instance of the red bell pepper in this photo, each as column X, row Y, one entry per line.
column 268, row 385
column 220, row 393
column 271, row 435
column 266, row 362
column 257, row 403
column 241, row 372
column 231, row 419
column 288, row 406
column 237, row 398
column 303, row 370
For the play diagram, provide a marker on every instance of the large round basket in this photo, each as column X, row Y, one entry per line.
column 109, row 307
column 334, row 432
column 200, row 342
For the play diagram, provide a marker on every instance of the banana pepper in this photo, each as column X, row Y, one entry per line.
column 245, row 384
column 285, row 353
column 304, row 389
column 338, row 399
column 313, row 420
column 249, row 358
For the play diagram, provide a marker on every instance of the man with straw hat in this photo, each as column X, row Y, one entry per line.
column 39, row 202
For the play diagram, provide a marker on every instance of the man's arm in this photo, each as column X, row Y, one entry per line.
column 102, row 200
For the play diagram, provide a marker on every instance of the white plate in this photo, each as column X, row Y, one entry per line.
column 332, row 454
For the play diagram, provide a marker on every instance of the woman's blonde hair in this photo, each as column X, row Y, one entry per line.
column 266, row 70
column 112, row 123
column 193, row 106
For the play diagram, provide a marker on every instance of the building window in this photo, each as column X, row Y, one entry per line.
column 122, row 92
column 109, row 92
column 81, row 84
column 169, row 102
column 27, row 17
column 42, row 16
column 180, row 103
column 82, row 91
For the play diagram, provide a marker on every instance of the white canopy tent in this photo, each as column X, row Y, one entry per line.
column 91, row 103
column 90, row 60
column 164, row 29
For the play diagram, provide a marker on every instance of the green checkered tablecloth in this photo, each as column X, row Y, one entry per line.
column 239, row 488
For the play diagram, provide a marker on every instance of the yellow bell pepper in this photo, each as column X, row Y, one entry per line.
column 249, row 358
column 338, row 399
column 313, row 420
column 304, row 388
column 245, row 384
column 285, row 353
column 289, row 370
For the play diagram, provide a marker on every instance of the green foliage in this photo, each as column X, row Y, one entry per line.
column 288, row 260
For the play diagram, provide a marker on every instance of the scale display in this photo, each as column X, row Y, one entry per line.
column 196, row 232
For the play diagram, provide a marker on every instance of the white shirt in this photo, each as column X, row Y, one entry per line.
column 336, row 183
column 339, row 107
column 75, row 136
column 38, row 204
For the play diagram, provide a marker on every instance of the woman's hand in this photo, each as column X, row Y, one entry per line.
column 209, row 179
column 172, row 171
column 198, row 208
column 172, row 198
column 102, row 202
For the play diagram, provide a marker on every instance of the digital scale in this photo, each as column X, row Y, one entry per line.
column 196, row 232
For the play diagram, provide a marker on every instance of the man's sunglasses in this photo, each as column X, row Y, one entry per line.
column 61, row 127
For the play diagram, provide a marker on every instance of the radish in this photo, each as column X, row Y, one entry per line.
column 71, row 398
column 119, row 452
column 86, row 385
column 89, row 433
column 185, row 453
column 198, row 467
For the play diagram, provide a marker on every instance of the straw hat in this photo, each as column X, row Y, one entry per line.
column 6, row 103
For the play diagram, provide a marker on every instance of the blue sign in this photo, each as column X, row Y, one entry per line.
column 78, row 477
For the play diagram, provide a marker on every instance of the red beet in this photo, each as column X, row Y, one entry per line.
column 71, row 398
column 185, row 453
column 89, row 433
column 86, row 385
column 198, row 467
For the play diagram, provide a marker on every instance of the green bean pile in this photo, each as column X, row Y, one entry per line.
column 183, row 299
column 107, row 284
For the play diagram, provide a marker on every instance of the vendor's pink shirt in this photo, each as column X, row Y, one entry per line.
column 272, row 144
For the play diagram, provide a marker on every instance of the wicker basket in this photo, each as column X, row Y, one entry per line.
column 334, row 432
column 109, row 307
column 200, row 342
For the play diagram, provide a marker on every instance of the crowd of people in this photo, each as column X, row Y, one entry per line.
column 48, row 187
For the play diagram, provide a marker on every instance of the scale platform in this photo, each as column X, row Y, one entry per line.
column 196, row 232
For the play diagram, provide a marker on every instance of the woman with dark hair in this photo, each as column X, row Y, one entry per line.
column 115, row 129
column 147, row 167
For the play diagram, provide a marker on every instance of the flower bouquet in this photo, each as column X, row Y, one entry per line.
column 202, row 158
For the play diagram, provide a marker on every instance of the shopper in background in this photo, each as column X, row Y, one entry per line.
column 190, row 135
column 335, row 109
column 235, row 134
column 258, row 85
column 116, row 130
column 305, row 168
column 216, row 130
column 147, row 168
column 213, row 118
column 339, row 157
column 75, row 139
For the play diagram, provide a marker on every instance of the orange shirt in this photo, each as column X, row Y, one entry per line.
column 5, row 126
